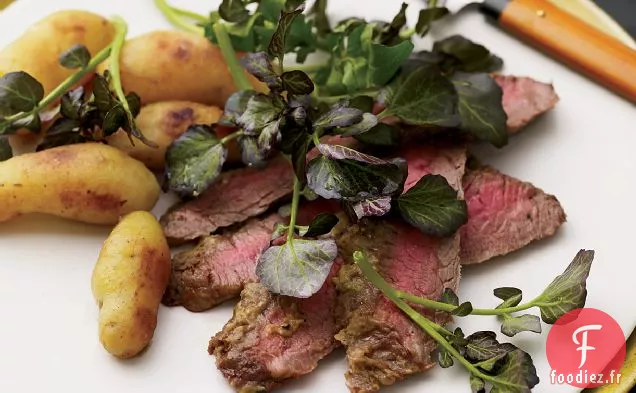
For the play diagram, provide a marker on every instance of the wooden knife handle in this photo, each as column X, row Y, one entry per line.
column 573, row 42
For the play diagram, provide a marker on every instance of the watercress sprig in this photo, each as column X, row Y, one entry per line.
column 504, row 366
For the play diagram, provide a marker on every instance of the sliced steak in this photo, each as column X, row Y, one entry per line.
column 383, row 345
column 235, row 197
column 504, row 215
column 524, row 99
column 273, row 339
column 219, row 266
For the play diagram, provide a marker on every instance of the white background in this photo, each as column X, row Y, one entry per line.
column 583, row 152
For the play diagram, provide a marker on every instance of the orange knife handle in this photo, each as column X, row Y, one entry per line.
column 573, row 42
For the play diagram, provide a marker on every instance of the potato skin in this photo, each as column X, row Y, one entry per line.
column 162, row 123
column 91, row 182
column 128, row 281
column 38, row 49
column 175, row 66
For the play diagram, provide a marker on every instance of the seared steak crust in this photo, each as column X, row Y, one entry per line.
column 235, row 197
column 219, row 266
column 504, row 215
column 272, row 339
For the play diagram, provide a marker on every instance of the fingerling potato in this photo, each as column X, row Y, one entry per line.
column 175, row 66
column 91, row 182
column 162, row 123
column 128, row 281
column 38, row 49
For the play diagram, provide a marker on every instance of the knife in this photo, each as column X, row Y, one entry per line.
column 566, row 38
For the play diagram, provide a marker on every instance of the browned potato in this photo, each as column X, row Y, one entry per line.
column 175, row 66
column 162, row 123
column 37, row 51
column 91, row 182
column 128, row 281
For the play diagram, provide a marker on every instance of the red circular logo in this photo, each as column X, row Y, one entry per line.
column 585, row 348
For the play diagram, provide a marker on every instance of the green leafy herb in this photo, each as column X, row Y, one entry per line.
column 462, row 54
column 481, row 108
column 6, row 152
column 233, row 11
column 444, row 358
column 277, row 46
column 510, row 296
column 261, row 110
column 297, row 82
column 372, row 207
column 427, row 17
column 425, row 98
column 524, row 323
column 298, row 268
column 195, row 160
column 381, row 135
column 76, row 57
column 322, row 224
column 433, row 207
column 19, row 92
column 320, row 19
column 392, row 32
column 258, row 64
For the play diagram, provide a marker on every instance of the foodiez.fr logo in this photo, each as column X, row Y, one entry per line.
column 586, row 348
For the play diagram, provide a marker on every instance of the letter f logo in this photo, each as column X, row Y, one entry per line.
column 583, row 344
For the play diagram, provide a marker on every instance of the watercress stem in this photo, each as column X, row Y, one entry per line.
column 65, row 86
column 449, row 307
column 294, row 209
column 225, row 44
column 231, row 137
column 121, row 29
column 190, row 14
column 174, row 16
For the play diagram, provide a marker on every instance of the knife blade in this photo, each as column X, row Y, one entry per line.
column 565, row 38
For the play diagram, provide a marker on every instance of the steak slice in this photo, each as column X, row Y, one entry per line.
column 383, row 345
column 219, row 266
column 504, row 215
column 524, row 99
column 237, row 196
column 272, row 339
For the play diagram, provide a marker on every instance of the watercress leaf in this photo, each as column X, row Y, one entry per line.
column 484, row 345
column 134, row 103
column 71, row 103
column 76, row 57
column 271, row 9
column 301, row 39
column 19, row 92
column 277, row 46
column 425, row 98
column 524, row 323
column 194, row 160
column 516, row 375
column 292, row 138
column 367, row 123
column 103, row 97
column 364, row 103
column 339, row 116
column 392, row 32
column 494, row 363
column 361, row 177
column 32, row 123
column 318, row 14
column 432, row 206
column 297, row 83
column 381, row 135
column 481, row 108
column 427, row 17
column 449, row 297
column 322, row 224
column 279, row 230
column 372, row 207
column 64, row 125
column 477, row 384
column 235, row 106
column 115, row 119
column 444, row 358
column 510, row 296
column 385, row 62
column 299, row 158
column 467, row 55
column 568, row 291
column 463, row 309
column 6, row 151
column 251, row 154
column 60, row 139
column 258, row 64
column 260, row 111
column 269, row 137
column 298, row 268
column 233, row 11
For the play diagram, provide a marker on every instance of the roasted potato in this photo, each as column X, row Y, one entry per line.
column 175, row 66
column 38, row 50
column 128, row 281
column 90, row 182
column 162, row 123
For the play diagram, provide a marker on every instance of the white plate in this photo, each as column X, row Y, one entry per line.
column 583, row 152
